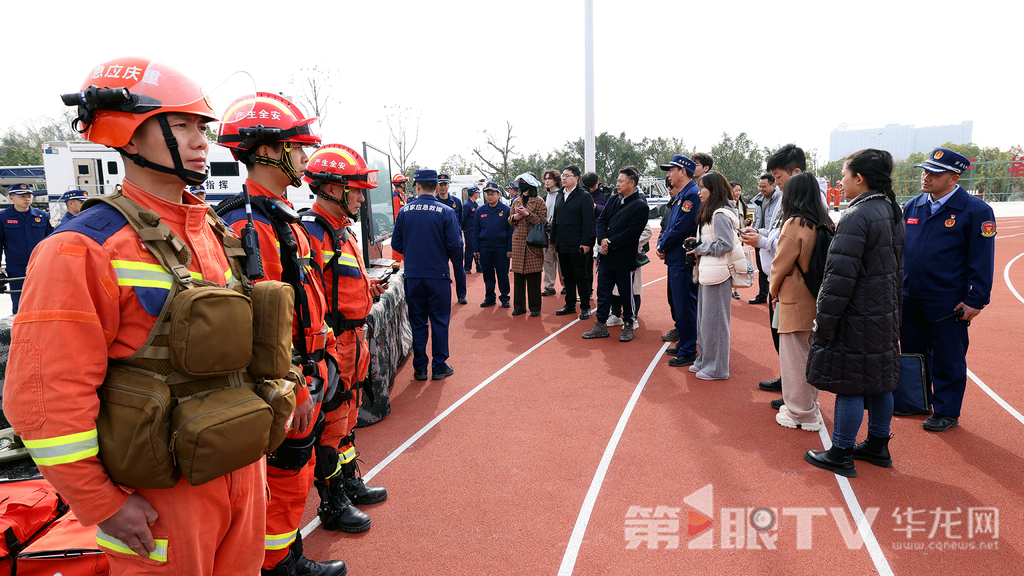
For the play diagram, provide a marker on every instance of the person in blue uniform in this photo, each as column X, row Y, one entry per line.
column 73, row 199
column 947, row 267
column 427, row 234
column 21, row 229
column 198, row 191
column 682, row 224
column 492, row 236
column 458, row 266
column 468, row 219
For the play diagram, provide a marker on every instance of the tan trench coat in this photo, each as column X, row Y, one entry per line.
column 527, row 259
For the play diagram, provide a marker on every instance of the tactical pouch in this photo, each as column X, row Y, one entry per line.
column 200, row 347
column 273, row 306
column 133, row 430
column 280, row 396
column 219, row 432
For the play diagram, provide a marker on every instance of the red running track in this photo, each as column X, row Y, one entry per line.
column 549, row 454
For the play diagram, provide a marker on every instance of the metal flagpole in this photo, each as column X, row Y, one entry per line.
column 588, row 136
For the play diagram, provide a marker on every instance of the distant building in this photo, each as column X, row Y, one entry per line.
column 900, row 140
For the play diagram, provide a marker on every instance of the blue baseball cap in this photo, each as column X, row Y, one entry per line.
column 443, row 178
column 74, row 195
column 945, row 160
column 19, row 189
column 680, row 161
column 425, row 175
column 472, row 190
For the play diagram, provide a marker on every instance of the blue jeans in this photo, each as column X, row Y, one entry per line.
column 850, row 413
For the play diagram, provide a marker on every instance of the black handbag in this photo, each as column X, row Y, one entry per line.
column 538, row 235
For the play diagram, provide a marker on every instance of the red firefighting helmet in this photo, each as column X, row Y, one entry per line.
column 339, row 164
column 265, row 117
column 399, row 179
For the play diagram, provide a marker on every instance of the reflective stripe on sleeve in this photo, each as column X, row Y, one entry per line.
column 159, row 554
column 141, row 274
column 280, row 541
column 64, row 449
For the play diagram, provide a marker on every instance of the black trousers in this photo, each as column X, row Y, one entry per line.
column 775, row 331
column 526, row 284
column 762, row 277
column 575, row 276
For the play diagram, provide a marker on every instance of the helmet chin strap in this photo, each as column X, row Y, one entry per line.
column 190, row 177
column 318, row 190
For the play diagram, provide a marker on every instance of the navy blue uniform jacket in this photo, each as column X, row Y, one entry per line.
column 491, row 230
column 950, row 255
column 455, row 204
column 427, row 235
column 468, row 215
column 682, row 224
column 20, row 232
column 622, row 222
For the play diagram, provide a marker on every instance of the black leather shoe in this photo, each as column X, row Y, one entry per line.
column 535, row 313
column 940, row 423
column 462, row 300
column 759, row 299
column 357, row 490
column 565, row 310
column 293, row 564
column 682, row 360
column 445, row 374
column 777, row 404
column 506, row 305
column 336, row 511
column 585, row 314
column 421, row 375
column 673, row 351
column 874, row 450
column 548, row 293
column 487, row 303
column 736, row 295
column 771, row 385
column 838, row 460
column 518, row 312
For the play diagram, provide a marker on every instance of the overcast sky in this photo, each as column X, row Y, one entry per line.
column 779, row 71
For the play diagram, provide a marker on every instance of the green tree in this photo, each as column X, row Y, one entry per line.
column 739, row 159
column 24, row 147
column 658, row 151
column 456, row 165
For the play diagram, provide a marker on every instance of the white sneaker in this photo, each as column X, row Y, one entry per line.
column 613, row 321
column 784, row 419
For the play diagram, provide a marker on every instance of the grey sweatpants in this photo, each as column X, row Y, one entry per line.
column 714, row 310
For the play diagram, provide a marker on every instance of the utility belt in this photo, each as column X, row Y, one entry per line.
column 344, row 324
column 212, row 388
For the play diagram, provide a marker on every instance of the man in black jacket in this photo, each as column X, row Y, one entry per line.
column 618, row 233
column 570, row 234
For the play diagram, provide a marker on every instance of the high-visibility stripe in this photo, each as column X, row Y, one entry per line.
column 64, row 449
column 348, row 455
column 348, row 259
column 328, row 254
column 335, row 473
column 280, row 541
column 131, row 273
column 159, row 554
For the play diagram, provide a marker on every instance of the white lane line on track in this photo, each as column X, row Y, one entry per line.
column 655, row 280
column 437, row 419
column 868, row 537
column 1006, row 277
column 1013, row 412
column 576, row 540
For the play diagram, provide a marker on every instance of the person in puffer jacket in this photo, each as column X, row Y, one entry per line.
column 855, row 351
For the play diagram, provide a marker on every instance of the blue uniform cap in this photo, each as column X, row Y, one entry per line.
column 945, row 160
column 73, row 195
column 19, row 189
column 492, row 185
column 425, row 175
column 513, row 185
column 198, row 188
column 443, row 178
column 680, row 161
column 472, row 190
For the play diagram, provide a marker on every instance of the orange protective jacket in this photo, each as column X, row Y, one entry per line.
column 87, row 302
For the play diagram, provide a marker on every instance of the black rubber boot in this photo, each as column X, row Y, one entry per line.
column 295, row 564
column 356, row 490
column 838, row 460
column 336, row 511
column 874, row 450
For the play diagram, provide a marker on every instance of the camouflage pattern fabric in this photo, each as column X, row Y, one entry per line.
column 5, row 349
column 390, row 342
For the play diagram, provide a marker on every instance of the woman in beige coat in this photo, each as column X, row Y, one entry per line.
column 801, row 210
column 527, row 261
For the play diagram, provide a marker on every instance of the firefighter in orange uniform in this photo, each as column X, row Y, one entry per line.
column 400, row 181
column 337, row 175
column 94, row 283
column 268, row 134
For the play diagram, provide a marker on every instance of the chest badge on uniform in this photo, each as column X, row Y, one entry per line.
column 687, row 206
column 951, row 221
column 39, row 219
column 988, row 228
column 912, row 221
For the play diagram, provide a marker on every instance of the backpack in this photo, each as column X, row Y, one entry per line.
column 27, row 510
column 815, row 273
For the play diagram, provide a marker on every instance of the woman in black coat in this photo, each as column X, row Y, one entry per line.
column 855, row 353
